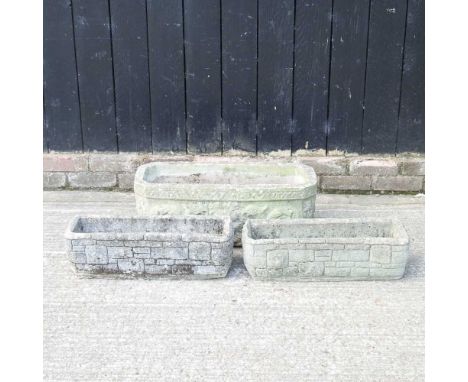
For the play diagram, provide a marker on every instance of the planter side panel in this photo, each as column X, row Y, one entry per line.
column 325, row 262
column 151, row 258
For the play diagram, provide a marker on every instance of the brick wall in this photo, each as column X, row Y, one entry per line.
column 335, row 174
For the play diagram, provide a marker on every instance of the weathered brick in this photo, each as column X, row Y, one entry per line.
column 360, row 272
column 65, row 162
column 300, row 255
column 344, row 183
column 398, row 183
column 380, row 253
column 126, row 180
column 387, row 272
column 255, row 262
column 336, row 272
column 275, row 272
column 169, row 253
column 261, row 272
column 399, row 257
column 323, row 255
column 373, row 167
column 350, row 255
column 92, row 180
column 327, row 165
column 119, row 252
column 113, row 162
column 131, row 265
column 412, row 166
column 54, row 180
column 158, row 269
column 199, row 251
column 96, row 254
column 346, row 264
column 277, row 259
column 311, row 269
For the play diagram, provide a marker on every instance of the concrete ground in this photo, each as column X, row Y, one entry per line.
column 232, row 329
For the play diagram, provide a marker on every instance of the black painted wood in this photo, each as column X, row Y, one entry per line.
column 166, row 59
column 45, row 146
column 411, row 120
column 348, row 67
column 275, row 74
column 95, row 74
column 311, row 59
column 384, row 65
column 239, row 76
column 172, row 69
column 62, row 127
column 130, row 58
column 203, row 74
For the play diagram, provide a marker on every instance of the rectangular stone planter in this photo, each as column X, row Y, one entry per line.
column 241, row 190
column 325, row 249
column 194, row 247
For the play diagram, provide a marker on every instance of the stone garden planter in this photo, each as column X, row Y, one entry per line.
column 325, row 249
column 194, row 247
column 242, row 190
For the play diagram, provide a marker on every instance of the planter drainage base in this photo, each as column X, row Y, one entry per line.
column 189, row 247
column 325, row 249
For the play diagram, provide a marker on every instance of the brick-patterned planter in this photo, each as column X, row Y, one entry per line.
column 241, row 190
column 325, row 249
column 193, row 247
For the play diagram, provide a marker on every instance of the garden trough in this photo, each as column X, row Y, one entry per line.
column 241, row 190
column 189, row 247
column 325, row 249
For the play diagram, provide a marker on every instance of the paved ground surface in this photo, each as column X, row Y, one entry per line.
column 232, row 329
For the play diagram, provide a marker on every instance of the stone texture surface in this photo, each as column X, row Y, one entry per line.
column 301, row 249
column 123, row 165
column 373, row 166
column 65, row 162
column 125, row 180
column 397, row 183
column 53, row 180
column 345, row 183
column 241, row 190
column 412, row 166
column 150, row 246
column 233, row 328
column 92, row 180
column 327, row 165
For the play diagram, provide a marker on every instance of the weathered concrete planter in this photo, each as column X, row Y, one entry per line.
column 197, row 247
column 242, row 190
column 325, row 249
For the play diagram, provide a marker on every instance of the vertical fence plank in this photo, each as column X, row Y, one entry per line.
column 384, row 64
column 239, row 76
column 348, row 67
column 411, row 120
column 45, row 146
column 275, row 74
column 130, row 58
column 166, row 59
column 61, row 100
column 203, row 74
column 312, row 53
column 94, row 58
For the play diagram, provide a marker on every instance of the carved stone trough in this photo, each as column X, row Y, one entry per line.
column 325, row 249
column 241, row 190
column 193, row 247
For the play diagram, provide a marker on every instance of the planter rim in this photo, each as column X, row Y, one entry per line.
column 225, row 235
column 399, row 234
column 227, row 192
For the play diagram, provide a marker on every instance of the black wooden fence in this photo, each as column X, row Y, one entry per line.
column 214, row 75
